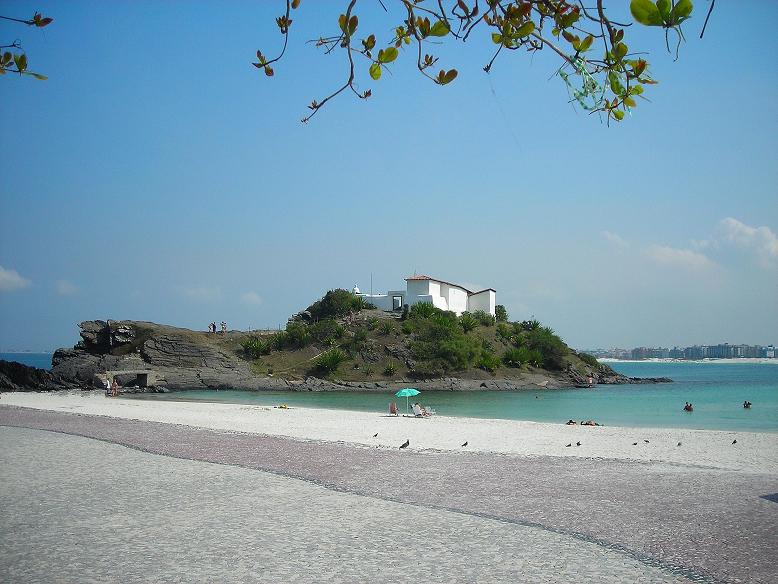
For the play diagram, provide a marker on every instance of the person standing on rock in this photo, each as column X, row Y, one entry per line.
column 224, row 327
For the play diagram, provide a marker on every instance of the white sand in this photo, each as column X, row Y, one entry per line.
column 754, row 452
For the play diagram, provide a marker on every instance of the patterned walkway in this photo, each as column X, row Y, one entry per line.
column 82, row 510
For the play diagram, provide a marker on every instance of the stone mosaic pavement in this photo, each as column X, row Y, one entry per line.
column 462, row 518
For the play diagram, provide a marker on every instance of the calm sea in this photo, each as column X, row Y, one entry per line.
column 717, row 391
column 39, row 360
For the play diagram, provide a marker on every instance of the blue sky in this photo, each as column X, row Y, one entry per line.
column 158, row 176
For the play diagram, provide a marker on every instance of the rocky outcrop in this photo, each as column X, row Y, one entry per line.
column 17, row 377
column 160, row 358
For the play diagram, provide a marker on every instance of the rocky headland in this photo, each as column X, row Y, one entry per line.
column 145, row 356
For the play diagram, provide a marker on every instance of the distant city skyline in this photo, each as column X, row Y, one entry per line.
column 183, row 189
column 694, row 352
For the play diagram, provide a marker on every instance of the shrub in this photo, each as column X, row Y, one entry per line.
column 549, row 345
column 484, row 318
column 390, row 369
column 326, row 331
column 408, row 327
column 500, row 313
column 445, row 319
column 489, row 361
column 367, row 371
column 372, row 323
column 297, row 335
column 516, row 357
column 422, row 310
column 335, row 304
column 406, row 311
column 536, row 358
column 590, row 360
column 354, row 344
column 468, row 322
column 330, row 360
column 529, row 325
column 386, row 328
column 254, row 347
column 280, row 340
column 504, row 331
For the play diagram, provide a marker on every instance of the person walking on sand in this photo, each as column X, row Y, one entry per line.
column 114, row 388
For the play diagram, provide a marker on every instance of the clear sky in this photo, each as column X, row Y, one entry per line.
column 158, row 176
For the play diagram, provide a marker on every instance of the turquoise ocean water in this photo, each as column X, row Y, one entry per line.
column 717, row 391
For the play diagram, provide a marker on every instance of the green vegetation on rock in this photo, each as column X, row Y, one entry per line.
column 425, row 342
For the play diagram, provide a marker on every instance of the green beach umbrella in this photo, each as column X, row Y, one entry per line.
column 406, row 392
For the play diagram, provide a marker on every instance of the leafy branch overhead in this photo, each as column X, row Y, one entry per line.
column 601, row 72
column 15, row 60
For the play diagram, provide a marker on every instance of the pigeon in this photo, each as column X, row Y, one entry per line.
column 577, row 443
column 569, row 445
column 679, row 444
column 646, row 441
column 634, row 444
column 375, row 435
column 405, row 444
column 465, row 444
column 734, row 442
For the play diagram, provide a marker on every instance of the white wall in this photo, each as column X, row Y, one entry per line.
column 485, row 301
column 418, row 288
column 457, row 299
column 382, row 301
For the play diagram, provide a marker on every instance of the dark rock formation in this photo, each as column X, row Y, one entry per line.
column 17, row 377
column 161, row 358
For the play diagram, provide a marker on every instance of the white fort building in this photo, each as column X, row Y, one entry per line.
column 443, row 295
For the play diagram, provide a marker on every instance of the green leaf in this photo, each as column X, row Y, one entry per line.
column 439, row 29
column 664, row 9
column 496, row 38
column 630, row 102
column 39, row 76
column 620, row 50
column 586, row 43
column 525, row 29
column 375, row 71
column 20, row 61
column 619, row 115
column 387, row 55
column 645, row 12
column 681, row 11
column 447, row 77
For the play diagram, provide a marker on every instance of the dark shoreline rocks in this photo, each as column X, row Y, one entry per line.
column 18, row 377
column 174, row 359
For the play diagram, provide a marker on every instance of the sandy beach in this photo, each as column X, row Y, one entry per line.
column 753, row 452
column 182, row 492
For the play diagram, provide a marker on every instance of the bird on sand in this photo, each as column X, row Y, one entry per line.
column 405, row 444
column 634, row 444
column 577, row 443
column 465, row 444
column 734, row 442
column 375, row 435
column 679, row 444
column 646, row 441
column 569, row 445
